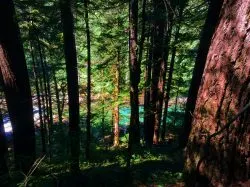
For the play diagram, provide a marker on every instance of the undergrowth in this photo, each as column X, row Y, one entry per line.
column 107, row 167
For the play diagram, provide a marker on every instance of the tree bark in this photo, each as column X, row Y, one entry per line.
column 134, row 69
column 148, row 126
column 16, row 87
column 161, row 29
column 72, row 81
column 143, row 30
column 169, row 83
column 218, row 148
column 116, row 95
column 206, row 37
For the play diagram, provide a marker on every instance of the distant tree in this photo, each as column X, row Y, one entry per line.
column 116, row 117
column 217, row 152
column 107, row 46
column 58, row 102
column 16, row 87
column 72, row 81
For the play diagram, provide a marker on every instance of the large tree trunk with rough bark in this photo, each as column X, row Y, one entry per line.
column 16, row 87
column 218, row 147
column 206, row 37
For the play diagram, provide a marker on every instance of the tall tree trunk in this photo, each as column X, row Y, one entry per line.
column 160, row 39
column 147, row 67
column 72, row 81
column 42, row 129
column 116, row 95
column 148, row 126
column 43, row 102
column 47, row 120
column 169, row 83
column 143, row 29
column 16, row 87
column 49, row 93
column 160, row 97
column 218, row 146
column 88, row 120
column 50, row 112
column 134, row 69
column 206, row 37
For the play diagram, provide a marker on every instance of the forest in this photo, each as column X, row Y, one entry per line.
column 125, row 93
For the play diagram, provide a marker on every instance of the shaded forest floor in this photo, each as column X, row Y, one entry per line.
column 160, row 166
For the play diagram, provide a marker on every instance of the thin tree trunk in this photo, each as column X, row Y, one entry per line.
column 175, row 106
column 116, row 95
column 72, row 81
column 43, row 102
column 63, row 90
column 88, row 120
column 49, row 104
column 148, row 127
column 169, row 83
column 206, row 37
column 44, row 83
column 49, row 93
column 44, row 75
column 16, row 87
column 58, row 103
column 143, row 36
column 134, row 69
column 42, row 130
